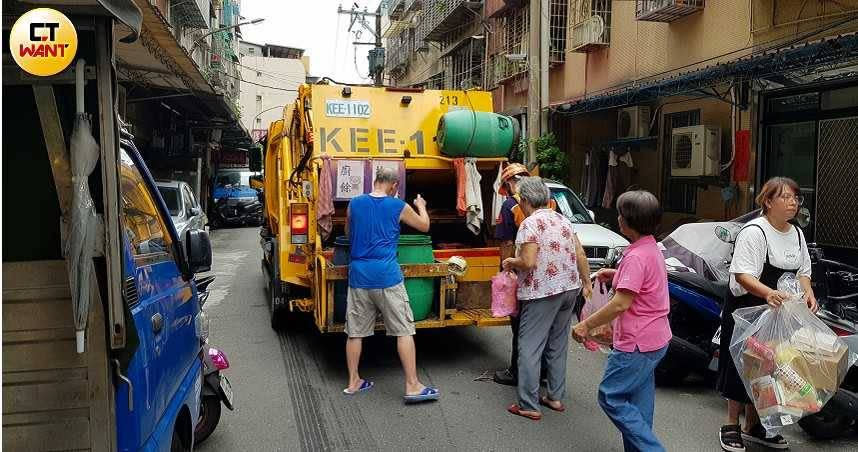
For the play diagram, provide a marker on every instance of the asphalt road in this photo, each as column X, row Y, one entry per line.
column 288, row 386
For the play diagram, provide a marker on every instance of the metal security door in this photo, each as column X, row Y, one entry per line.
column 837, row 173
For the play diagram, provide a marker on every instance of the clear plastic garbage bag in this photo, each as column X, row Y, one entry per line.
column 504, row 298
column 600, row 338
column 790, row 362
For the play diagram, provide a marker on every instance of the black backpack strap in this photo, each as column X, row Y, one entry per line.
column 765, row 238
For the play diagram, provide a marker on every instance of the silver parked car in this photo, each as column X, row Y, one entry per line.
column 184, row 208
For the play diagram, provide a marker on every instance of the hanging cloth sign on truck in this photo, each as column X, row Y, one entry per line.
column 349, row 181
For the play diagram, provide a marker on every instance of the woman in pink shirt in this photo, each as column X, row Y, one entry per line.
column 639, row 311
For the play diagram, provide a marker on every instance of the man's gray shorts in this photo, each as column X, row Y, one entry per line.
column 363, row 306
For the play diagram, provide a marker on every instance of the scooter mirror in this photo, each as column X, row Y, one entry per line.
column 803, row 217
column 723, row 234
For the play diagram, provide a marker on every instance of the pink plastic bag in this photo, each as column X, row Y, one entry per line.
column 504, row 299
column 601, row 338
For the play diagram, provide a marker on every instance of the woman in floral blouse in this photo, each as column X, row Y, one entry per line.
column 552, row 270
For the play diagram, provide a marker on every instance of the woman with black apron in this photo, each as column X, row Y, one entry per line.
column 766, row 248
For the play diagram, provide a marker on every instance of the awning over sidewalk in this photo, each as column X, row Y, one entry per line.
column 128, row 13
column 157, row 59
column 808, row 57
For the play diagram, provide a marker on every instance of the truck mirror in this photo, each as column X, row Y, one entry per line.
column 255, row 160
column 198, row 249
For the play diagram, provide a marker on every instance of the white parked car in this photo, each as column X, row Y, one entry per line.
column 184, row 208
column 600, row 243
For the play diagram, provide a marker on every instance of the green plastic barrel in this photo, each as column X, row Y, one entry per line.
column 413, row 249
column 468, row 133
column 417, row 249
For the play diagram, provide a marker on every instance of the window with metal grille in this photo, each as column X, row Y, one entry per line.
column 558, row 11
column 509, row 46
column 436, row 81
column 466, row 65
column 589, row 25
column 678, row 195
column 666, row 10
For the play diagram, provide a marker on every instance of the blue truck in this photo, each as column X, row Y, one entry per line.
column 102, row 324
column 235, row 202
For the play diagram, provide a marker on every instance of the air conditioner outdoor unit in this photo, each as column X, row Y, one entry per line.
column 695, row 151
column 633, row 122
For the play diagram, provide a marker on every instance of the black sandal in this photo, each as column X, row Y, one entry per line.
column 731, row 438
column 758, row 435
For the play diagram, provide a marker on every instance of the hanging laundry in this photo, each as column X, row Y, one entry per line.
column 461, row 181
column 325, row 210
column 619, row 177
column 625, row 157
column 585, row 177
column 597, row 173
column 497, row 198
column 473, row 196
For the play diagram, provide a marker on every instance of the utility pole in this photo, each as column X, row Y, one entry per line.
column 544, row 58
column 534, row 77
column 379, row 74
column 376, row 55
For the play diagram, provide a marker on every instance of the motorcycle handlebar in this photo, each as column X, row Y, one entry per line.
column 837, row 264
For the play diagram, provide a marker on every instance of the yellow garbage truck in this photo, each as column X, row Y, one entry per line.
column 325, row 150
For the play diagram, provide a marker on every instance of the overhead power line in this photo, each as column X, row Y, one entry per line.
column 257, row 84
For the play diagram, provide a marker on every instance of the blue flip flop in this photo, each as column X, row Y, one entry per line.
column 365, row 386
column 425, row 395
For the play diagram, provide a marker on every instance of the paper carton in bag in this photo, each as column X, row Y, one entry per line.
column 825, row 372
column 755, row 366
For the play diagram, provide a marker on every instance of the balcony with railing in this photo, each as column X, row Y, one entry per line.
column 399, row 50
column 589, row 25
column 508, row 46
column 509, row 42
column 666, row 10
column 190, row 13
column 412, row 5
column 465, row 65
column 449, row 18
column 395, row 9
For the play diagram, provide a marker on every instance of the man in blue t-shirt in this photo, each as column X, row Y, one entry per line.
column 376, row 283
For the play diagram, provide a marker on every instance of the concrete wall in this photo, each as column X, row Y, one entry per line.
column 283, row 73
column 641, row 49
column 783, row 19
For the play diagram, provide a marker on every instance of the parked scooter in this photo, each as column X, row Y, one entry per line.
column 697, row 299
column 698, row 281
column 237, row 212
column 837, row 291
column 216, row 387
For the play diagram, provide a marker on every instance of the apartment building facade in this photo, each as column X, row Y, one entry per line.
column 178, row 88
column 708, row 99
column 434, row 44
column 270, row 77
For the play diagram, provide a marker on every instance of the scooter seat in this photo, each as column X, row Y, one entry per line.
column 698, row 283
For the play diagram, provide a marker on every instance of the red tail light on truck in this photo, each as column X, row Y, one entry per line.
column 299, row 223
